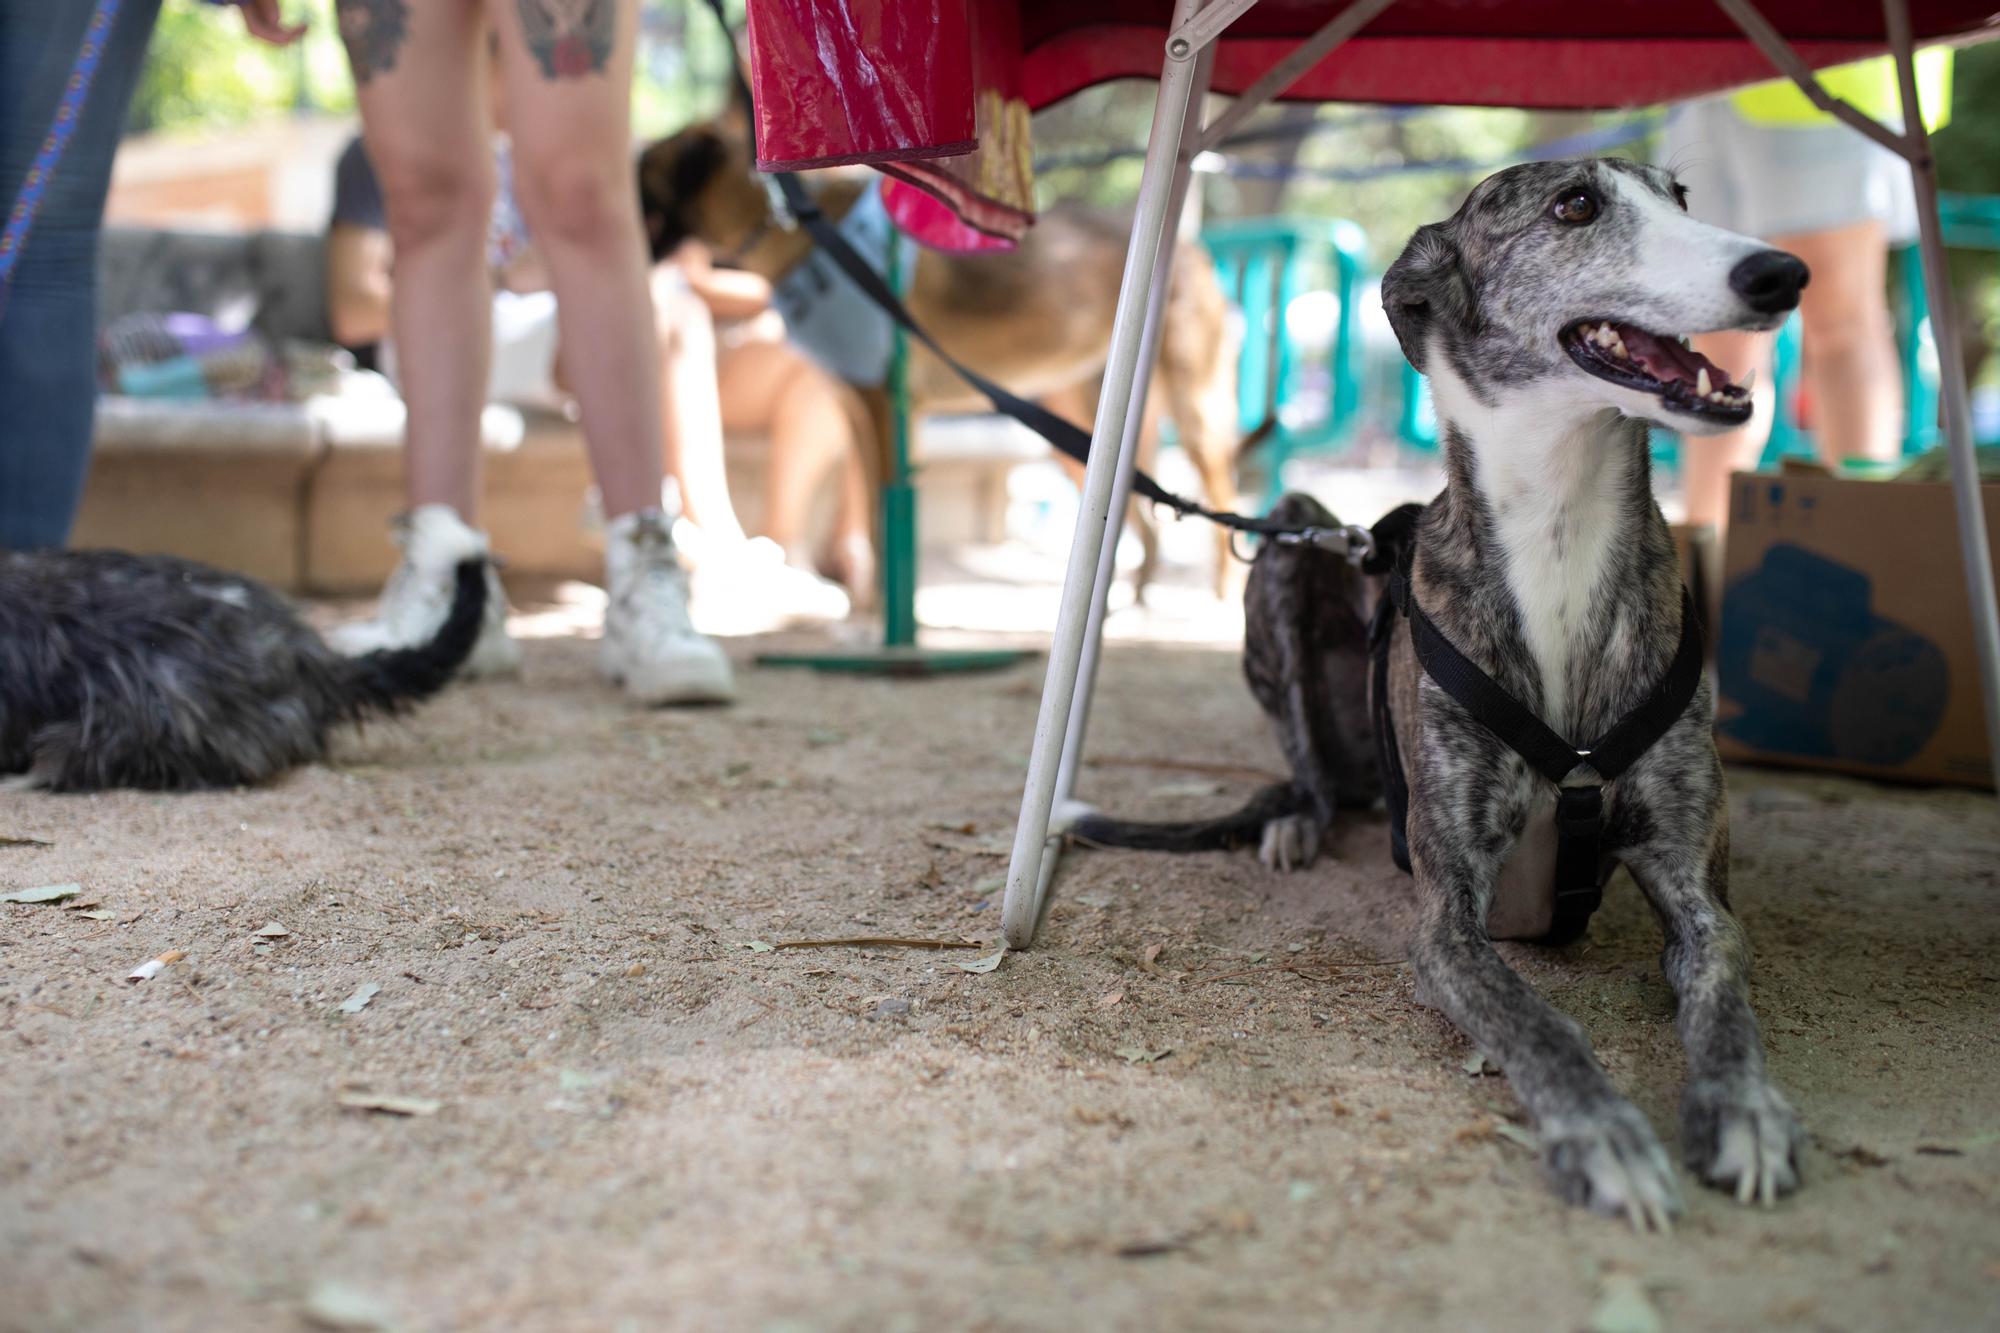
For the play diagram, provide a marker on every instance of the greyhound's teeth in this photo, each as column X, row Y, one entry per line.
column 1701, row 383
column 1749, row 382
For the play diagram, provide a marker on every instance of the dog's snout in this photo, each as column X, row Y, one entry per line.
column 1769, row 281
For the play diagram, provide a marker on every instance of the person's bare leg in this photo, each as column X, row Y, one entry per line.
column 769, row 386
column 569, row 114
column 1850, row 356
column 690, row 407
column 419, row 83
column 1707, row 461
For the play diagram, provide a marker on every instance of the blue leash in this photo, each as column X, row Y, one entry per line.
column 69, row 111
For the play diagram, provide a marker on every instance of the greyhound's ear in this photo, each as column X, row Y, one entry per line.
column 1425, row 285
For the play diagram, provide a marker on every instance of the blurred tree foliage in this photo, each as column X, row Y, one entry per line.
column 1968, row 159
column 203, row 71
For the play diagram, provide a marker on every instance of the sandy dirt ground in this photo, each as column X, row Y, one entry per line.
column 643, row 1120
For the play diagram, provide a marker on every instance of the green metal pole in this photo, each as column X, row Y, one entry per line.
column 899, row 494
column 899, row 654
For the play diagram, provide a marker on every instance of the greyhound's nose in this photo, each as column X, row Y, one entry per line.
column 1769, row 281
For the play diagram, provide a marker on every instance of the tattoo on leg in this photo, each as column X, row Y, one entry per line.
column 373, row 31
column 569, row 38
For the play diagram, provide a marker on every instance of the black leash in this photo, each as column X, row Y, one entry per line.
column 1060, row 434
column 1580, row 815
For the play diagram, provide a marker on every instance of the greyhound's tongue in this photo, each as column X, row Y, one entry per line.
column 1666, row 360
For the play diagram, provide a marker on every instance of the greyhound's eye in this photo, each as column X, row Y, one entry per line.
column 1681, row 195
column 1576, row 208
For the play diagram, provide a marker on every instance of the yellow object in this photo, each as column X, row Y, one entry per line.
column 1869, row 86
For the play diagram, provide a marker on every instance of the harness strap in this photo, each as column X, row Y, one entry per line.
column 1580, row 813
column 1395, row 545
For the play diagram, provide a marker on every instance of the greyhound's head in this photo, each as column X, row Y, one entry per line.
column 1586, row 275
column 700, row 183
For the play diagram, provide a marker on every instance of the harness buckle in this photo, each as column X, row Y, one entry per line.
column 1580, row 810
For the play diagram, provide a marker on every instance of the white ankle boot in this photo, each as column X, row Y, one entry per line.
column 418, row 596
column 650, row 645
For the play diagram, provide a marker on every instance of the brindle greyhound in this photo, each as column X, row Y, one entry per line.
column 1036, row 319
column 1547, row 313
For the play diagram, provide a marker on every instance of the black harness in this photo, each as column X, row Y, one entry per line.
column 1580, row 859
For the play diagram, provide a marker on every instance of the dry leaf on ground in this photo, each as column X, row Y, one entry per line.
column 1139, row 1055
column 358, row 1001
column 47, row 893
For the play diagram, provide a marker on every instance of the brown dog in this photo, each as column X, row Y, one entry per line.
column 1037, row 319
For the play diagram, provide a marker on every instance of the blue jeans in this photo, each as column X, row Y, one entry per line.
column 48, row 326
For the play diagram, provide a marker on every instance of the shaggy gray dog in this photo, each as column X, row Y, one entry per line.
column 121, row 670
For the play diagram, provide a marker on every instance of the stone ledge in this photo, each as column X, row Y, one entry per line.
column 301, row 495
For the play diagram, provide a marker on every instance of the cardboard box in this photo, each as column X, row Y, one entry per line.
column 1846, row 635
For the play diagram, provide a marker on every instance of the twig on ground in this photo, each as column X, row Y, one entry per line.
column 877, row 941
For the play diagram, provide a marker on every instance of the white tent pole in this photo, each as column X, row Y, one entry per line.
column 1021, row 909
column 1190, row 37
column 1065, row 808
column 1974, row 543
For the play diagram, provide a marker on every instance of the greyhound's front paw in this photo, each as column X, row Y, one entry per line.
column 1290, row 842
column 1741, row 1134
column 1610, row 1160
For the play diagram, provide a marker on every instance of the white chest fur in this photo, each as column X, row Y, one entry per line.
column 1553, row 479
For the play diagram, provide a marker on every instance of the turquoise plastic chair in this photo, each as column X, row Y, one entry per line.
column 1265, row 264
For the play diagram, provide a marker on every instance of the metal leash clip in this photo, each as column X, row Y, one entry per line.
column 1354, row 542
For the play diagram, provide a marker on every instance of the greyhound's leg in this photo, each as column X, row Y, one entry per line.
column 1597, row 1147
column 1200, row 387
column 1292, row 842
column 1077, row 404
column 1737, row 1130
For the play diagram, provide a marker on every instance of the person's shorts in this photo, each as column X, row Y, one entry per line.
column 524, row 351
column 1779, row 180
column 523, row 373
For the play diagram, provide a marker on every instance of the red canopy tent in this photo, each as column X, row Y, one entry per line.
column 886, row 83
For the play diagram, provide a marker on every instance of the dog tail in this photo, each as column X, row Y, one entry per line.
column 391, row 679
column 1201, row 835
column 1264, row 430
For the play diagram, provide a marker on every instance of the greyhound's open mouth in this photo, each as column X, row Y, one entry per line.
column 1676, row 374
